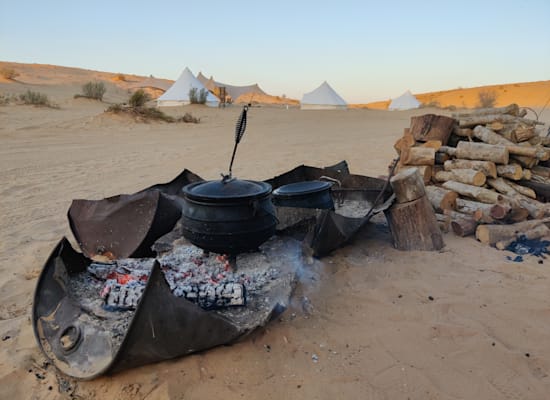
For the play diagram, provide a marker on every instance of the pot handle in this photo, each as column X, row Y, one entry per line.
column 326, row 178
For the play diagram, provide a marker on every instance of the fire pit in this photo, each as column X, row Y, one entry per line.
column 94, row 318
column 91, row 318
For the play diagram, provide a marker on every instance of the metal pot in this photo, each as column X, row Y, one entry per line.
column 228, row 216
column 307, row 194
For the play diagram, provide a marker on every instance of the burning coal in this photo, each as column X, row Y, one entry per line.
column 207, row 279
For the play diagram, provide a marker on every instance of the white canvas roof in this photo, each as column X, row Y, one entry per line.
column 323, row 98
column 406, row 101
column 231, row 90
column 178, row 93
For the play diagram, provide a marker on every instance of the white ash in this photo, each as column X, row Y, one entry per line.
column 189, row 265
column 207, row 279
column 352, row 208
column 268, row 277
column 85, row 289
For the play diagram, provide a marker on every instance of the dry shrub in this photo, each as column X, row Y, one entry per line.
column 487, row 98
column 139, row 98
column 142, row 114
column 115, row 108
column 197, row 97
column 5, row 99
column 9, row 73
column 36, row 99
column 93, row 90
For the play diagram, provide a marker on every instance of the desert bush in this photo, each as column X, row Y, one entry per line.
column 154, row 113
column 189, row 118
column 120, row 77
column 115, row 108
column 36, row 99
column 139, row 98
column 5, row 99
column 196, row 96
column 9, row 73
column 93, row 90
column 203, row 94
column 193, row 96
column 142, row 114
column 487, row 98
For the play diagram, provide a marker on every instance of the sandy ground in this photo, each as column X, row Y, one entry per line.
column 463, row 323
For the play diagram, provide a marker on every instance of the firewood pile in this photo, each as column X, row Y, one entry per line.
column 487, row 172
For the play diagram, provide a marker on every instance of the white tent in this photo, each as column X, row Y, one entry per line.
column 231, row 90
column 323, row 98
column 178, row 94
column 406, row 101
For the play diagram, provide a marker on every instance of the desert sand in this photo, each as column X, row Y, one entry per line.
column 463, row 323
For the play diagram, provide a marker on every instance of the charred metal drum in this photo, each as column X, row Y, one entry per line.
column 84, row 340
column 228, row 217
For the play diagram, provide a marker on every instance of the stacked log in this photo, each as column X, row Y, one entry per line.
column 483, row 170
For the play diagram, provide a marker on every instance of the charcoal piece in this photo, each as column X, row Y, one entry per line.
column 211, row 296
column 124, row 297
column 101, row 270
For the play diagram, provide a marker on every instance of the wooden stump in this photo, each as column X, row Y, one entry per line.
column 411, row 218
column 408, row 185
column 424, row 170
column 414, row 226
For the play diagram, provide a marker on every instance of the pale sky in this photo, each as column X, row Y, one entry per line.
column 366, row 50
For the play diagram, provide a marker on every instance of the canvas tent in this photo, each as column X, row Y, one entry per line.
column 323, row 98
column 406, row 101
column 231, row 90
column 161, row 84
column 178, row 93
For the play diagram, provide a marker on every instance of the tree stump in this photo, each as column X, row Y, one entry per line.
column 413, row 226
column 411, row 219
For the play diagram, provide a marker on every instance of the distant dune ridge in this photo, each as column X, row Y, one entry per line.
column 526, row 94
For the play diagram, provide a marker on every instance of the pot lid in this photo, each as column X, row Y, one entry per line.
column 301, row 188
column 233, row 189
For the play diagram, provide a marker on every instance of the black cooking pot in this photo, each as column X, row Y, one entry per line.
column 228, row 216
column 307, row 194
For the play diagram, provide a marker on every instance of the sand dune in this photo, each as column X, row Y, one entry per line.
column 527, row 94
column 374, row 331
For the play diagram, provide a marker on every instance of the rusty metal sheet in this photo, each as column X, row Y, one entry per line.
column 122, row 226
